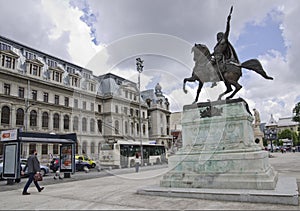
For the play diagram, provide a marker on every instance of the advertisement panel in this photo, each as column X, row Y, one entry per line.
column 9, row 135
column 66, row 155
column 11, row 167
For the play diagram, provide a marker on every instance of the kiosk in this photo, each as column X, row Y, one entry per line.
column 12, row 140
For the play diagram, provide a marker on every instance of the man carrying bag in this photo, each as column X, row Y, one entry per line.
column 33, row 166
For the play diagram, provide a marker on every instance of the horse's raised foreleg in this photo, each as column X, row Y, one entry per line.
column 190, row 79
column 198, row 91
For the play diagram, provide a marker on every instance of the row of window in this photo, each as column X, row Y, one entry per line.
column 33, row 121
column 55, row 150
column 34, row 96
column 137, row 113
column 130, row 95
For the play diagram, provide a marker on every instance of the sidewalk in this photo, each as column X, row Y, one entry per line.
column 119, row 193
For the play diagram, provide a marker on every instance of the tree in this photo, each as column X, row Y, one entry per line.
column 295, row 139
column 285, row 134
column 296, row 112
column 291, row 135
column 296, row 118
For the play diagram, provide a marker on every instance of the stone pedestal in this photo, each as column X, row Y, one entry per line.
column 220, row 159
column 219, row 150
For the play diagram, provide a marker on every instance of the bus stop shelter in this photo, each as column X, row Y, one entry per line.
column 12, row 140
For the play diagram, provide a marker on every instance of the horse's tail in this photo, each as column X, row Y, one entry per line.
column 255, row 65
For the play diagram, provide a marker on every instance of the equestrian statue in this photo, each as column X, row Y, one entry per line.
column 221, row 65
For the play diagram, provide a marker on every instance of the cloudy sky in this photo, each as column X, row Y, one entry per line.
column 107, row 35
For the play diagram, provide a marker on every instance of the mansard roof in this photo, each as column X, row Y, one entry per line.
column 36, row 61
column 10, row 52
column 286, row 121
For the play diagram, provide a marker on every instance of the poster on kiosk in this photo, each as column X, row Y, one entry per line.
column 67, row 158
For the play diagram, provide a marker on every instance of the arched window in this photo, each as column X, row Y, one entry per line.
column 66, row 122
column 99, row 125
column 116, row 127
column 84, row 124
column 92, row 125
column 45, row 120
column 75, row 123
column 20, row 117
column 137, row 128
column 5, row 115
column 56, row 121
column 33, row 118
column 92, row 147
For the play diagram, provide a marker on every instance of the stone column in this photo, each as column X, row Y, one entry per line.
column 71, row 123
column 50, row 121
column 13, row 116
column 39, row 120
column 26, row 119
column 61, row 122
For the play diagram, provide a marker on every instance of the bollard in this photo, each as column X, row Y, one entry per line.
column 67, row 175
column 10, row 182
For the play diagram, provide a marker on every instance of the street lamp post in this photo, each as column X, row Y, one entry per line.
column 139, row 67
column 270, row 134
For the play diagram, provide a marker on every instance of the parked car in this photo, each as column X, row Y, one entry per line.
column 1, row 169
column 86, row 159
column 82, row 165
column 44, row 169
column 79, row 165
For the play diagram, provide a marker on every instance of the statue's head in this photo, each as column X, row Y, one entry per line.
column 220, row 35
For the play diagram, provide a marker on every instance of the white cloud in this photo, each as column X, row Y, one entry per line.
column 67, row 19
column 54, row 27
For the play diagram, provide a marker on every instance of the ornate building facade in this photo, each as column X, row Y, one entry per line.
column 42, row 93
column 158, row 115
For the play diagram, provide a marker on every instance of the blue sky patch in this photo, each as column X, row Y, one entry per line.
column 258, row 39
column 88, row 17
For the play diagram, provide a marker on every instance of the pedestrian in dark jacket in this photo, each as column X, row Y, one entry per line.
column 33, row 166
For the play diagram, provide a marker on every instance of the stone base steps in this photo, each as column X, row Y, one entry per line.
column 285, row 192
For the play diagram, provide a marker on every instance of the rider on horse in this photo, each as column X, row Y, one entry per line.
column 222, row 65
column 224, row 53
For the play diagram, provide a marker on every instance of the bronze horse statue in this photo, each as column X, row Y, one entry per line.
column 206, row 70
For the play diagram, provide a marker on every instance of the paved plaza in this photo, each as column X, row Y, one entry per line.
column 118, row 192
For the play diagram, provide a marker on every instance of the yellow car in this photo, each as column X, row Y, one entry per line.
column 86, row 159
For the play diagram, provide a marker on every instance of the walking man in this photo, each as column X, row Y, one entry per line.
column 137, row 162
column 33, row 166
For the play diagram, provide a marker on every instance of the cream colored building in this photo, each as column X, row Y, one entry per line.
column 287, row 123
column 158, row 115
column 42, row 93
